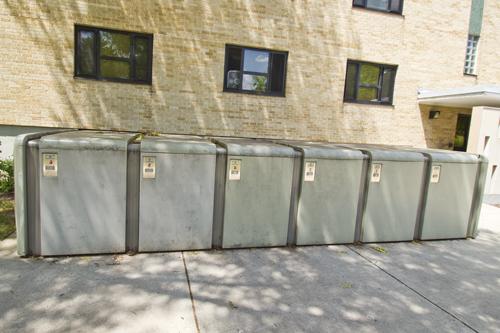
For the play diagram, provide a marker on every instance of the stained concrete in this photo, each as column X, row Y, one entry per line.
column 316, row 289
column 445, row 286
column 463, row 277
column 144, row 293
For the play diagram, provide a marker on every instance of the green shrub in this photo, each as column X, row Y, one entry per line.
column 6, row 176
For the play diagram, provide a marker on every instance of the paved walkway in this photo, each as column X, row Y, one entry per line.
column 447, row 286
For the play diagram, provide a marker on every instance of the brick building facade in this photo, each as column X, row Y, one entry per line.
column 427, row 43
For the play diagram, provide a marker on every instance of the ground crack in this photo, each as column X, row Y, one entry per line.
column 190, row 294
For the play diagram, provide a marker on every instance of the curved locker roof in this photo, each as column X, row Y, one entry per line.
column 88, row 140
column 441, row 155
column 177, row 144
column 447, row 156
column 254, row 147
column 321, row 150
column 388, row 153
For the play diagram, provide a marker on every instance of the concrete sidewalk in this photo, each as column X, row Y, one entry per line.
column 447, row 286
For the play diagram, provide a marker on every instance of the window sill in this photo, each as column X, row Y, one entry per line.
column 85, row 78
column 396, row 14
column 252, row 93
column 472, row 75
column 387, row 105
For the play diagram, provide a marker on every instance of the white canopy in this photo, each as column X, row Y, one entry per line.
column 465, row 97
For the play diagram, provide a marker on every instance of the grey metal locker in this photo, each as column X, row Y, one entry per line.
column 331, row 180
column 256, row 193
column 83, row 192
column 176, row 193
column 394, row 186
column 448, row 202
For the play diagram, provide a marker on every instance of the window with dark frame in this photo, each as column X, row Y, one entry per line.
column 390, row 6
column 369, row 82
column 105, row 54
column 255, row 71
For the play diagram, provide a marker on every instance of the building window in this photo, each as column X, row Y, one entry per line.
column 105, row 54
column 471, row 55
column 391, row 6
column 255, row 71
column 369, row 83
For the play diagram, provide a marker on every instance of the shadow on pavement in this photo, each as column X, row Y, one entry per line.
column 442, row 286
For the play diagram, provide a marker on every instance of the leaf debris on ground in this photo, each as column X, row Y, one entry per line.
column 379, row 249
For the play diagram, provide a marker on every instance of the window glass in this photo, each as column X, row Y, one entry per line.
column 87, row 54
column 462, row 132
column 369, row 74
column 369, row 82
column 256, row 83
column 234, row 58
column 141, row 58
column 471, row 54
column 388, row 79
column 115, row 44
column 254, row 70
column 396, row 6
column 233, row 79
column 104, row 54
column 115, row 69
column 367, row 94
column 378, row 4
column 233, row 75
column 350, row 85
column 256, row 61
column 277, row 72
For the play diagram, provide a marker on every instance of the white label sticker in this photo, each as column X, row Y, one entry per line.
column 376, row 172
column 310, row 171
column 234, row 169
column 149, row 167
column 436, row 172
column 49, row 165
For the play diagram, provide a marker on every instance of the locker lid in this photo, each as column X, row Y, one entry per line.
column 440, row 155
column 177, row 144
column 320, row 150
column 448, row 156
column 88, row 140
column 388, row 153
column 254, row 147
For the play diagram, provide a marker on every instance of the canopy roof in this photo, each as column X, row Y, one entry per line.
column 465, row 97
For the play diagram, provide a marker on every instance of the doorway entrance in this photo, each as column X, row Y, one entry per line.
column 462, row 132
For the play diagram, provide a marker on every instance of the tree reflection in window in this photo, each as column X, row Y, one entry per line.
column 255, row 70
column 113, row 55
column 369, row 83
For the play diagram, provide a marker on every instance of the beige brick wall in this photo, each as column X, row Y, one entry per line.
column 440, row 133
column 489, row 44
column 428, row 44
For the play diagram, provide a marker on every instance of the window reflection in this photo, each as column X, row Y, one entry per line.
column 107, row 54
column 256, row 61
column 254, row 82
column 378, row 4
column 87, row 55
column 115, row 44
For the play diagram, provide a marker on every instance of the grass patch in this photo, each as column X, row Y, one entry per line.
column 7, row 218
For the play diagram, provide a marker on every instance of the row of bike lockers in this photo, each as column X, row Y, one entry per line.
column 89, row 192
